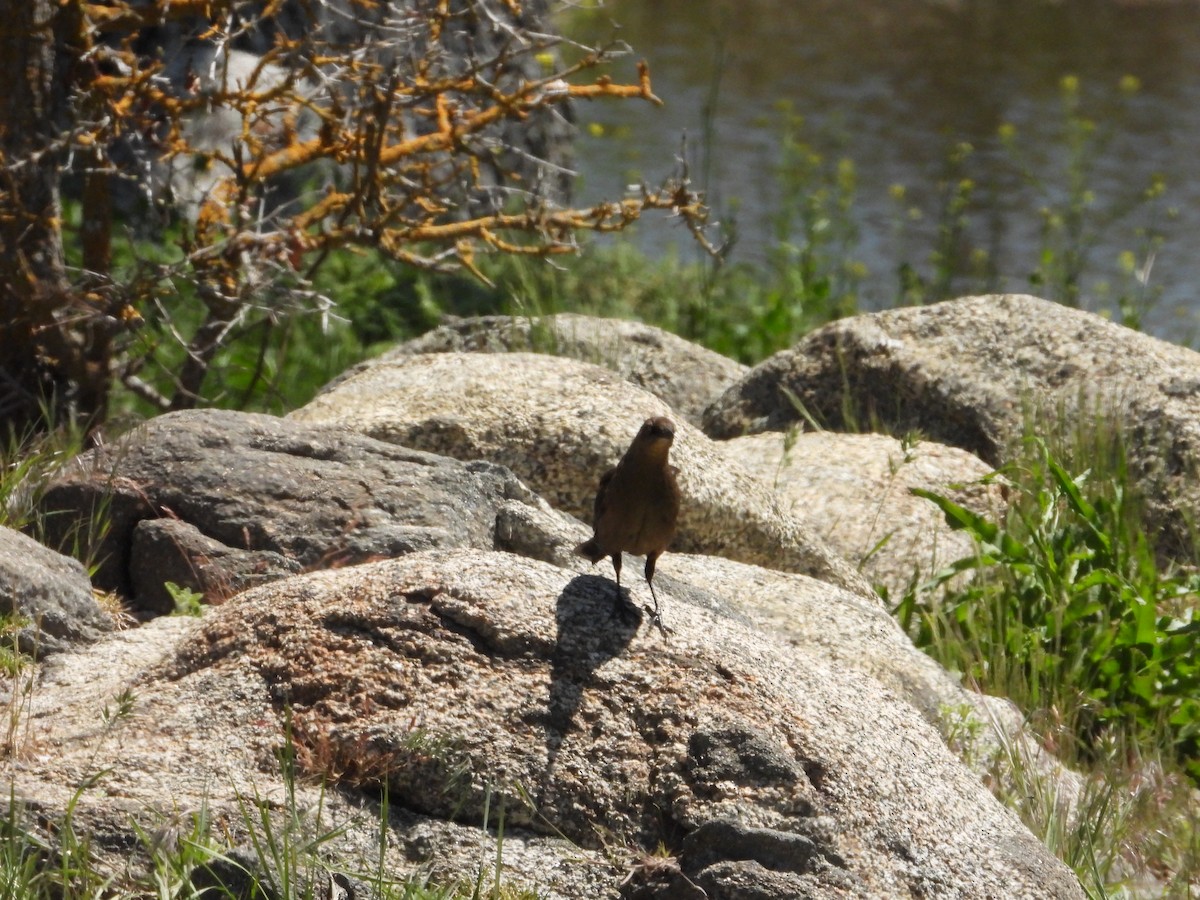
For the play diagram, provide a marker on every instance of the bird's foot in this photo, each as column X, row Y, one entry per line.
column 656, row 620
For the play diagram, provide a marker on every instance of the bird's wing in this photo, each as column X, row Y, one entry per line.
column 602, row 496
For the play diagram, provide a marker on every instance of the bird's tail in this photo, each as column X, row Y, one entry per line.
column 591, row 550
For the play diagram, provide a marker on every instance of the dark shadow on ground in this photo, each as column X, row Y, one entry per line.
column 591, row 629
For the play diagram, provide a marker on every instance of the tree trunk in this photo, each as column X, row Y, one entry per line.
column 44, row 373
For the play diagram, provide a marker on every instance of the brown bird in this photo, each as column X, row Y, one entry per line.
column 637, row 505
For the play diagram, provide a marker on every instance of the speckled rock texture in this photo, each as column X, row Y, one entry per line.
column 971, row 373
column 559, row 424
column 464, row 678
column 855, row 634
column 209, row 743
column 264, row 496
column 685, row 376
column 51, row 591
column 172, row 551
column 534, row 688
column 853, row 491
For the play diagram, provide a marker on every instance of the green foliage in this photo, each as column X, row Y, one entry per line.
column 12, row 660
column 1086, row 829
column 187, row 602
column 22, row 852
column 811, row 275
column 954, row 264
column 1069, row 611
column 276, row 354
column 288, row 849
column 27, row 462
column 1073, row 217
column 178, row 848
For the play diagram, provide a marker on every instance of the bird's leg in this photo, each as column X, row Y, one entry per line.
column 620, row 607
column 651, row 559
column 655, row 615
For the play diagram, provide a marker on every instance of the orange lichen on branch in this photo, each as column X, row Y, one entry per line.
column 123, row 16
column 555, row 226
column 451, row 124
column 494, row 241
column 443, row 115
column 605, row 88
column 328, row 205
column 439, row 19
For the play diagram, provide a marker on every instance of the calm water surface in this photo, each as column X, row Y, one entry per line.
column 893, row 85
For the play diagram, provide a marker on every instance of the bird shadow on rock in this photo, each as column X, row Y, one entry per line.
column 590, row 631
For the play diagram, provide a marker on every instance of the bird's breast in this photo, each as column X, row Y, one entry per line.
column 640, row 514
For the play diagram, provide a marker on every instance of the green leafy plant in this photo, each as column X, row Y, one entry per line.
column 955, row 265
column 180, row 844
column 187, row 602
column 1069, row 612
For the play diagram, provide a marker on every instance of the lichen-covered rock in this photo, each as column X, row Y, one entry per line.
column 167, row 755
column 461, row 679
column 685, row 376
column 853, row 490
column 559, row 424
column 466, row 680
column 973, row 372
column 51, row 591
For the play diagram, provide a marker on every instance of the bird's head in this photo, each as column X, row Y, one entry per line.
column 656, row 435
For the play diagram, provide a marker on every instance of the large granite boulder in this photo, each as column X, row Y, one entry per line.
column 976, row 372
column 216, row 501
column 685, row 376
column 467, row 681
column 50, row 593
column 854, row 491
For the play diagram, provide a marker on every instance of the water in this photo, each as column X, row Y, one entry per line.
column 896, row 83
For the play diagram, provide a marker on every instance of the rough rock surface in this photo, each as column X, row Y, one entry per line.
column 850, row 632
column 210, row 743
column 856, row 634
column 464, row 678
column 52, row 591
column 685, row 376
column 265, row 495
column 971, row 373
column 559, row 424
column 474, row 670
column 853, row 491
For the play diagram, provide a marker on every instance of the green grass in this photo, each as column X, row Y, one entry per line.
column 280, row 850
column 1070, row 613
column 1070, row 610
